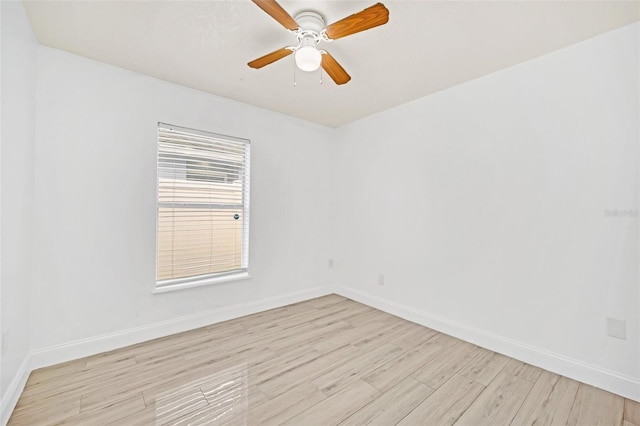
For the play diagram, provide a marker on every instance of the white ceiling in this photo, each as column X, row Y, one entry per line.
column 427, row 46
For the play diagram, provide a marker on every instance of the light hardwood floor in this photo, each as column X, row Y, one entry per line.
column 325, row 361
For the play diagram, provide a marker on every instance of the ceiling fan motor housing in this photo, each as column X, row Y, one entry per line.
column 310, row 22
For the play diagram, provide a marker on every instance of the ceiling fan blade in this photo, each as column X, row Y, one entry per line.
column 270, row 58
column 371, row 17
column 276, row 11
column 334, row 69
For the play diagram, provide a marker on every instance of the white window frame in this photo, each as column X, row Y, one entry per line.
column 168, row 285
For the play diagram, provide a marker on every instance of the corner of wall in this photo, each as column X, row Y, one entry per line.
column 12, row 395
column 18, row 76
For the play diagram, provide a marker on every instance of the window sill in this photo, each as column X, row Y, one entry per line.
column 201, row 283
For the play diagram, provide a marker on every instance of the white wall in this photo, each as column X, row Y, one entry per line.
column 95, row 177
column 18, row 128
column 484, row 205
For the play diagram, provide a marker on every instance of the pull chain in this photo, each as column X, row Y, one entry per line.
column 294, row 72
column 321, row 76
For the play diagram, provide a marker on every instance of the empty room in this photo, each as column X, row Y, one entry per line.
column 273, row 212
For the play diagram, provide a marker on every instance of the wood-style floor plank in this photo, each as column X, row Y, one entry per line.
column 337, row 407
column 594, row 406
column 390, row 407
column 522, row 370
column 434, row 374
column 325, row 361
column 46, row 413
column 549, row 402
column 498, row 403
column 116, row 411
column 288, row 379
column 484, row 367
column 286, row 405
column 391, row 373
column 632, row 411
column 342, row 375
column 446, row 404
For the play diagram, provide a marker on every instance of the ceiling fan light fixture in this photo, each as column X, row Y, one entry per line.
column 310, row 29
column 308, row 58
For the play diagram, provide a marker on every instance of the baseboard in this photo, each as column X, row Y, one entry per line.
column 85, row 347
column 611, row 381
column 10, row 398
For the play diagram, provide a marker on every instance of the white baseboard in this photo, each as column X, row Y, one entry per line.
column 85, row 347
column 611, row 381
column 10, row 398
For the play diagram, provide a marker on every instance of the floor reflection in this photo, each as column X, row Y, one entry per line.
column 221, row 397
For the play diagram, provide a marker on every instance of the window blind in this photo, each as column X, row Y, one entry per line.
column 202, row 205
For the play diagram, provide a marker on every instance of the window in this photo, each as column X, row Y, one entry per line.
column 202, row 208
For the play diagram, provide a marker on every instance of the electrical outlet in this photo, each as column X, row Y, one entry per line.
column 617, row 328
column 381, row 280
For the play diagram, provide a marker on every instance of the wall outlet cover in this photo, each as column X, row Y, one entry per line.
column 616, row 328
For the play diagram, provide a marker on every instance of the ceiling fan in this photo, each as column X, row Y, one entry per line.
column 310, row 29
